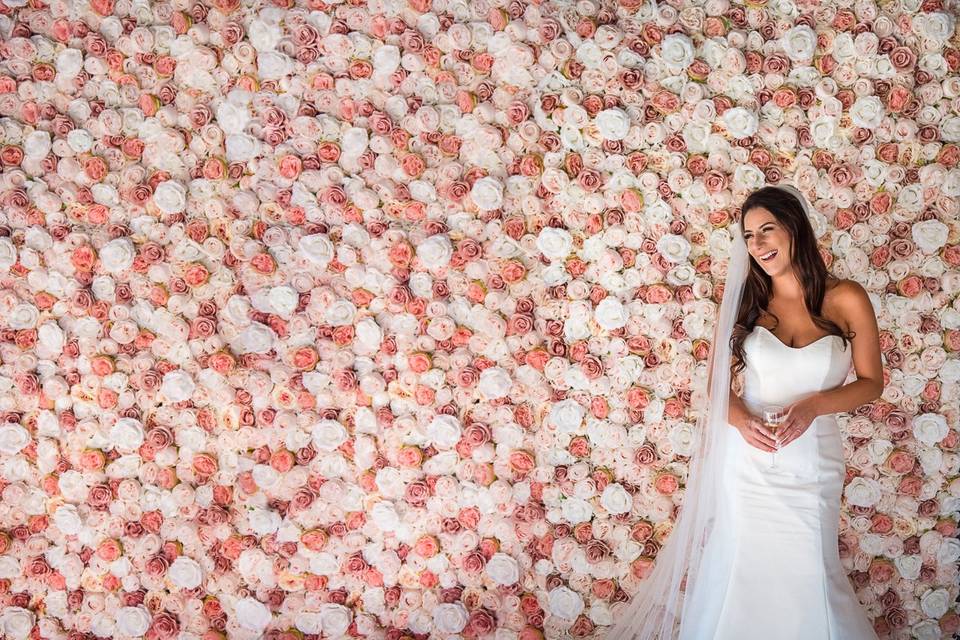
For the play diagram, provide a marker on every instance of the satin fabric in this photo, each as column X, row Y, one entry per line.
column 772, row 570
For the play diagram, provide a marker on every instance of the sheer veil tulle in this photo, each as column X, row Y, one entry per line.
column 657, row 610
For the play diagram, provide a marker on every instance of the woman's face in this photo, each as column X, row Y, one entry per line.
column 767, row 240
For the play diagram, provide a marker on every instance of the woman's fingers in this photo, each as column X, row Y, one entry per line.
column 763, row 434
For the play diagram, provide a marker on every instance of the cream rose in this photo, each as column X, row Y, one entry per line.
column 117, row 255
column 487, row 193
column 495, row 382
column 126, row 434
column 673, row 247
column 576, row 510
column 613, row 124
column 935, row 602
column 13, row 438
column 67, row 520
column 565, row 603
column 185, row 573
column 170, row 197
column 133, row 621
column 334, row 619
column 450, row 617
column 317, row 248
column 615, row 499
column 444, row 431
column 930, row 428
column 554, row 243
column 503, row 569
column 867, row 112
column 177, row 385
column 677, row 51
column 863, row 492
column 17, row 623
column 252, row 614
column 930, row 235
column 610, row 314
column 23, row 316
column 436, row 251
column 799, row 43
column 740, row 122
column 264, row 521
column 567, row 415
column 328, row 435
column 386, row 59
column 8, row 254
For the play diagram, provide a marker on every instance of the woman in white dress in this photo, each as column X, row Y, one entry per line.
column 754, row 554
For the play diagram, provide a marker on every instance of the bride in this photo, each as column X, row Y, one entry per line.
column 754, row 553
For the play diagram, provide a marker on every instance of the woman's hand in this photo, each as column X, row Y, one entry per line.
column 757, row 435
column 799, row 416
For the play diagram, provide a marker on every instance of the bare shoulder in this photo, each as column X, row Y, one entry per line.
column 849, row 300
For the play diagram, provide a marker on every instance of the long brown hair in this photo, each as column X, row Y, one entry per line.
column 805, row 258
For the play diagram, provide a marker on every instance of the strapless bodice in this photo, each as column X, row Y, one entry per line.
column 777, row 373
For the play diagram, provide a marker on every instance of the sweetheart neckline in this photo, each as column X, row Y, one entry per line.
column 829, row 335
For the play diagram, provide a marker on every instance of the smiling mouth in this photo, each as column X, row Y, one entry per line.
column 769, row 256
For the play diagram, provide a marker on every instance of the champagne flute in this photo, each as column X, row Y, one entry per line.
column 773, row 416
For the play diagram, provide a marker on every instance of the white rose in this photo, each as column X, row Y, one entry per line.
column 170, row 197
column 67, row 520
column 80, row 140
column 930, row 235
column 823, row 130
column 927, row 630
column 37, row 145
column 863, row 492
column 340, row 313
column 117, row 255
column 450, row 617
column 51, row 337
column 677, row 51
column 264, row 35
column 930, row 428
column 185, row 573
column 615, row 499
column 69, row 63
column 554, row 243
column 253, row 614
column 133, row 621
column 613, row 124
column 435, row 252
column 354, row 141
column 232, row 117
column 935, row 602
column 282, row 300
column 369, row 335
column 8, row 254
column 328, row 435
column 273, row 65
column 126, row 434
column 950, row 129
column 256, row 338
column 487, row 193
column 565, row 603
column 567, row 415
column 611, row 314
column 495, row 382
column 13, row 438
column 576, row 510
column 241, row 147
column 73, row 486
column 23, row 316
column 17, row 623
column 949, row 552
column 908, row 566
column 177, row 386
column 444, row 431
column 264, row 521
column 740, row 122
column 867, row 112
column 673, row 247
column 682, row 437
column 317, row 248
column 309, row 622
column 503, row 569
column 799, row 43
column 9, row 568
column 937, row 27
column 385, row 516
column 334, row 619
column 386, row 60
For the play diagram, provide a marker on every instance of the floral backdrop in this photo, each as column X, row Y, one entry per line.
column 389, row 318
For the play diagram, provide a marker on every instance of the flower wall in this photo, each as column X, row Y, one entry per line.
column 390, row 319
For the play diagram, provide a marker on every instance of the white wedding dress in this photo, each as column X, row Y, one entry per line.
column 771, row 568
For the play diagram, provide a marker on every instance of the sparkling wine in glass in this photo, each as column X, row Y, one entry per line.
column 773, row 416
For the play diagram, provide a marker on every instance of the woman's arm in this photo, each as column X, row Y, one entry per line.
column 854, row 305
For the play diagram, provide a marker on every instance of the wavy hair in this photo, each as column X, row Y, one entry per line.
column 805, row 258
